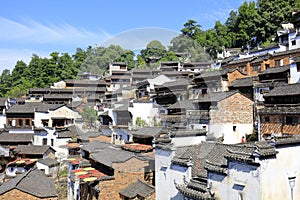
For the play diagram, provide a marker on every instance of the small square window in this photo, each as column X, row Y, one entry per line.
column 298, row 66
column 267, row 119
column 234, row 128
column 294, row 42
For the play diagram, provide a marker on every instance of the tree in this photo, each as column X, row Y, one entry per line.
column 154, row 51
column 5, row 82
column 191, row 29
column 89, row 115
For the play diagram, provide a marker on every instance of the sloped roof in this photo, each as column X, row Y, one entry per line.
column 242, row 82
column 33, row 182
column 137, row 189
column 69, row 132
column 186, row 104
column 196, row 155
column 48, row 162
column 216, row 96
column 275, row 70
column 285, row 90
column 94, row 146
column 146, row 132
column 33, row 149
column 108, row 156
column 16, row 137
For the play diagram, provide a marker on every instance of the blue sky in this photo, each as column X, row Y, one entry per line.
column 41, row 27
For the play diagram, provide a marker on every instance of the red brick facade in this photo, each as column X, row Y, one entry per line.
column 125, row 174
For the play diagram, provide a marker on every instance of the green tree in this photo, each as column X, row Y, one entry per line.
column 89, row 115
column 191, row 29
column 5, row 82
column 155, row 50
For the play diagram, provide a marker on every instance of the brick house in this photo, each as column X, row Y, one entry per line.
column 281, row 113
column 32, row 185
column 230, row 115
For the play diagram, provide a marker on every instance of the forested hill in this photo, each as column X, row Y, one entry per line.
column 253, row 24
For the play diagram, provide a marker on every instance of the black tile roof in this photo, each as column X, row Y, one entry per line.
column 108, row 156
column 192, row 193
column 242, row 82
column 194, row 154
column 275, row 70
column 280, row 109
column 215, row 96
column 137, row 189
column 69, row 132
column 94, row 146
column 242, row 60
column 33, row 182
column 48, row 162
column 33, row 149
column 188, row 133
column 285, row 90
column 184, row 104
column 16, row 137
column 147, row 132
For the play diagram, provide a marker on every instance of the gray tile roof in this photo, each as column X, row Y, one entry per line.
column 275, row 70
column 188, row 133
column 215, row 97
column 16, row 137
column 137, row 189
column 242, row 60
column 285, row 90
column 194, row 154
column 69, row 132
column 146, row 132
column 94, row 146
column 192, row 193
column 111, row 155
column 33, row 149
column 242, row 82
column 48, row 162
column 185, row 104
column 280, row 109
column 33, row 182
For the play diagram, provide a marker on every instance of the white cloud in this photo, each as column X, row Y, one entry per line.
column 30, row 31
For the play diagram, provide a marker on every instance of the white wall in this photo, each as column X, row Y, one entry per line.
column 146, row 111
column 230, row 136
column 165, row 174
column 38, row 116
column 186, row 141
column 2, row 121
column 275, row 173
column 295, row 76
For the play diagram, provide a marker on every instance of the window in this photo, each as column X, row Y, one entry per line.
column 27, row 122
column 234, row 128
column 44, row 141
column 294, row 42
column 52, row 142
column 204, row 91
column 256, row 68
column 267, row 119
column 277, row 62
column 298, row 66
column 20, row 122
column 267, row 66
column 291, row 120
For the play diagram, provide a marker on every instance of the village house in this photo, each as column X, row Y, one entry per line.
column 31, row 185
column 252, row 171
column 118, row 170
column 48, row 165
column 280, row 115
column 214, row 81
column 230, row 115
column 179, row 165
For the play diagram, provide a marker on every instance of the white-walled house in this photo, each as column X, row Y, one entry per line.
column 146, row 110
column 49, row 165
column 262, row 170
column 175, row 166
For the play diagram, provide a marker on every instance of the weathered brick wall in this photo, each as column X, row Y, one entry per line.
column 19, row 195
column 125, row 173
column 234, row 75
column 236, row 109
